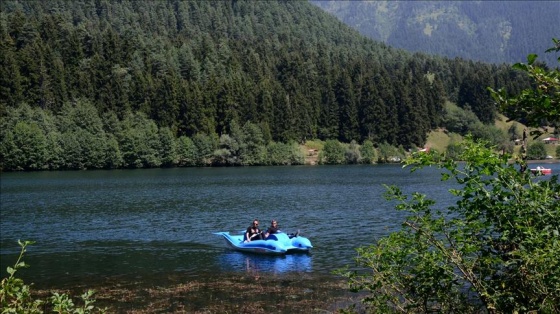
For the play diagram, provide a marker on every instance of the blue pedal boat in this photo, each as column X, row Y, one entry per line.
column 276, row 244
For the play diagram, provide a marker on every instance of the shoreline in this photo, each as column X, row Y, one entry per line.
column 545, row 161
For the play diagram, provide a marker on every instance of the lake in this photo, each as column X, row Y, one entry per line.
column 149, row 224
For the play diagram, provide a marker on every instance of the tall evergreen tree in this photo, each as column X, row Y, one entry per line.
column 474, row 95
column 348, row 111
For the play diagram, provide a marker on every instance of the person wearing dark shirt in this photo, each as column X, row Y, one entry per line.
column 253, row 232
column 274, row 229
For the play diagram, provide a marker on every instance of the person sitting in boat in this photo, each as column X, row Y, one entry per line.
column 253, row 232
column 274, row 229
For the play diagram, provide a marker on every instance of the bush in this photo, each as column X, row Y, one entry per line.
column 284, row 154
column 332, row 153
column 459, row 120
column 495, row 251
column 367, row 150
column 489, row 133
column 536, row 151
column 389, row 153
column 454, row 150
column 353, row 154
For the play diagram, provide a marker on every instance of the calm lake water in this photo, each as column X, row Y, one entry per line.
column 142, row 224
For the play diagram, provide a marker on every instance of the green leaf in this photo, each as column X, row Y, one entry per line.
column 531, row 58
column 520, row 66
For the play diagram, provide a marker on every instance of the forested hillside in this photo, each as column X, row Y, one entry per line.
column 171, row 70
column 489, row 31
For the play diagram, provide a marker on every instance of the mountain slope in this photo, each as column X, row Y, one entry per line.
column 489, row 31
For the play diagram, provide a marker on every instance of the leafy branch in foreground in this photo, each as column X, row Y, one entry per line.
column 495, row 250
column 15, row 295
column 538, row 106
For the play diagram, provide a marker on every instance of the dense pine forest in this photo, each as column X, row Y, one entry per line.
column 104, row 84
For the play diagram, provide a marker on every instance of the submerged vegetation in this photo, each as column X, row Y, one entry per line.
column 227, row 293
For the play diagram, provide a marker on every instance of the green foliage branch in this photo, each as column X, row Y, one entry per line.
column 537, row 106
column 16, row 296
column 494, row 251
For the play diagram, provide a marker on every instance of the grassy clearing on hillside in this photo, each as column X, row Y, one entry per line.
column 439, row 139
column 315, row 144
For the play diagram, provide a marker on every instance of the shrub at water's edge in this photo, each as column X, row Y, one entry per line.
column 495, row 250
